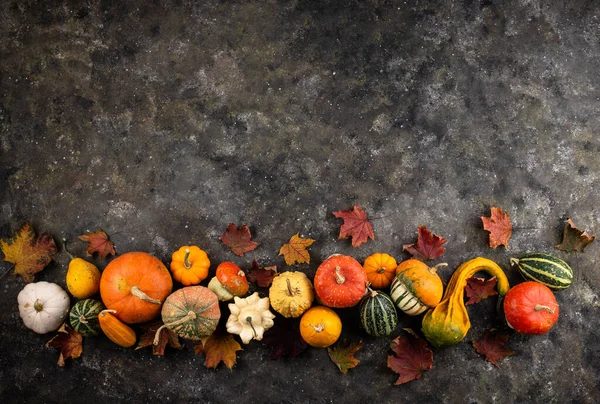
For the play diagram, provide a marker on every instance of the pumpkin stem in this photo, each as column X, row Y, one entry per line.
column 187, row 264
column 139, row 293
column 514, row 261
column 82, row 319
column 539, row 307
column 370, row 291
column 435, row 268
column 339, row 278
column 289, row 287
column 318, row 328
column 64, row 240
column 190, row 316
column 38, row 306
column 249, row 321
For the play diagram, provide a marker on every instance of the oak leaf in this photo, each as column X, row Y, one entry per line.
column 478, row 289
column 343, row 355
column 356, row 225
column 492, row 345
column 70, row 343
column 574, row 239
column 499, row 226
column 98, row 242
column 263, row 277
column 219, row 347
column 238, row 239
column 412, row 357
column 166, row 338
column 427, row 247
column 284, row 338
column 28, row 253
column 295, row 250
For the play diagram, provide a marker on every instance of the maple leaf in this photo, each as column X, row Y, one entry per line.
column 166, row 337
column 98, row 242
column 478, row 289
column 499, row 226
column 355, row 225
column 238, row 239
column 491, row 345
column 263, row 277
column 28, row 253
column 70, row 343
column 412, row 357
column 219, row 347
column 343, row 355
column 574, row 239
column 427, row 247
column 295, row 251
column 284, row 338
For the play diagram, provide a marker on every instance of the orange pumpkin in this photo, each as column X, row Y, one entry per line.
column 417, row 287
column 320, row 327
column 189, row 265
column 116, row 331
column 135, row 284
column 380, row 269
column 340, row 281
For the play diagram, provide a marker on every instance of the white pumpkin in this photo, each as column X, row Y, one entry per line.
column 250, row 317
column 43, row 306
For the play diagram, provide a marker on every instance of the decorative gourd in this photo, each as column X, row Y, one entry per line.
column 320, row 326
column 380, row 269
column 189, row 265
column 250, row 317
column 448, row 323
column 416, row 287
column 43, row 306
column 378, row 314
column 230, row 281
column 545, row 269
column 135, row 285
column 291, row 294
column 530, row 308
column 192, row 312
column 116, row 330
column 84, row 317
column 340, row 281
column 83, row 277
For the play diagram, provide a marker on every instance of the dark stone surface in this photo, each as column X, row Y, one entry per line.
column 163, row 121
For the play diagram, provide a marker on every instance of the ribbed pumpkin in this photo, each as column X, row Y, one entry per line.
column 380, row 269
column 192, row 312
column 135, row 285
column 378, row 314
column 546, row 269
column 416, row 287
column 340, row 281
column 84, row 317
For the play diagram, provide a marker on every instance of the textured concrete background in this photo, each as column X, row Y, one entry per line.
column 163, row 121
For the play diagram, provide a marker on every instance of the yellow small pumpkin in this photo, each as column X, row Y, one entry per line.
column 83, row 277
column 381, row 269
column 291, row 294
column 189, row 265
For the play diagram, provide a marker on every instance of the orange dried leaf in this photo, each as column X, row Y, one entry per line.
column 355, row 225
column 574, row 239
column 427, row 247
column 412, row 357
column 219, row 347
column 295, row 251
column 499, row 226
column 343, row 355
column 491, row 345
column 478, row 289
column 29, row 253
column 167, row 337
column 238, row 239
column 70, row 343
column 98, row 242
column 263, row 277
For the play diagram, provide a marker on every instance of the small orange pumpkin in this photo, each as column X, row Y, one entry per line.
column 380, row 269
column 135, row 284
column 340, row 281
column 416, row 287
column 320, row 326
column 116, row 331
column 189, row 265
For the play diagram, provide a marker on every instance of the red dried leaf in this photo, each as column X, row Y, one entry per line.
column 263, row 277
column 478, row 289
column 98, row 242
column 167, row 337
column 574, row 239
column 219, row 347
column 343, row 355
column 238, row 239
column 70, row 343
column 355, row 225
column 491, row 345
column 412, row 357
column 499, row 226
column 295, row 250
column 284, row 338
column 427, row 247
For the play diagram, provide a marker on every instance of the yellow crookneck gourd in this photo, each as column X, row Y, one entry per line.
column 448, row 323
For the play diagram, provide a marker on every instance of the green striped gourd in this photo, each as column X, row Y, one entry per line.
column 546, row 269
column 378, row 314
column 84, row 317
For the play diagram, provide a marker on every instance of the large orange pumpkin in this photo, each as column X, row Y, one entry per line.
column 135, row 284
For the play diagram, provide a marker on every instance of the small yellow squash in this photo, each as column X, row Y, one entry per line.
column 291, row 294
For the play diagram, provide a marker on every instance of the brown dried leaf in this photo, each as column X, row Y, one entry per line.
column 219, row 347
column 70, row 343
column 263, row 277
column 478, row 289
column 427, row 247
column 98, row 242
column 238, row 239
column 491, row 345
column 499, row 226
column 167, row 337
column 295, row 251
column 355, row 225
column 574, row 239
column 412, row 357
column 343, row 355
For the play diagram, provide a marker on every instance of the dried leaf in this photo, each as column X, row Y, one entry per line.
column 263, row 277
column 343, row 355
column 412, row 357
column 29, row 253
column 355, row 225
column 478, row 289
column 219, row 347
column 499, row 226
column 295, row 251
column 70, row 343
column 573, row 238
column 427, row 247
column 238, row 239
column 284, row 338
column 98, row 242
column 491, row 345
column 166, row 337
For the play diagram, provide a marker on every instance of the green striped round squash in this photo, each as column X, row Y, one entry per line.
column 192, row 312
column 545, row 269
column 378, row 314
column 84, row 317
